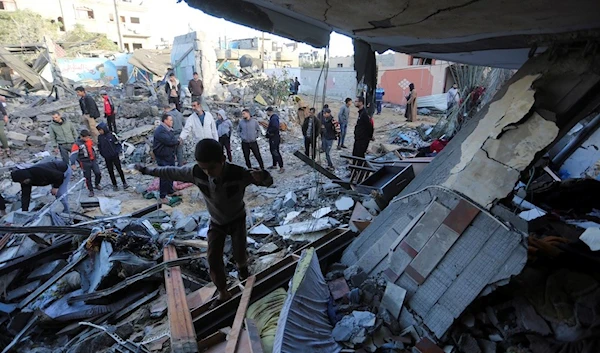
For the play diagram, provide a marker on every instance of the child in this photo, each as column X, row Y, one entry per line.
column 83, row 151
column 222, row 185
column 110, row 148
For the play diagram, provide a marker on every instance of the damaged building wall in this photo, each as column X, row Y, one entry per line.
column 191, row 53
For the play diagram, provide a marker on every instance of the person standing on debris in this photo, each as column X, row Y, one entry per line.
column 201, row 125
column 296, row 85
column 84, row 152
column 379, row 93
column 453, row 97
column 311, row 129
column 223, row 186
column 274, row 139
column 3, row 123
column 164, row 148
column 110, row 148
column 109, row 111
column 177, row 129
column 56, row 173
column 89, row 110
column 343, row 117
column 321, row 118
column 196, row 88
column 2, row 206
column 173, row 89
column 328, row 136
column 363, row 132
column 63, row 134
column 224, row 128
column 249, row 130
column 411, row 104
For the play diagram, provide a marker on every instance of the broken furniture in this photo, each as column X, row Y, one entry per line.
column 388, row 181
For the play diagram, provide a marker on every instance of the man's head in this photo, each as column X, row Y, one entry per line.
column 311, row 111
column 172, row 77
column 411, row 86
column 269, row 111
column 327, row 113
column 196, row 77
column 56, row 117
column 85, row 135
column 295, row 78
column 246, row 114
column 326, row 106
column 197, row 107
column 100, row 129
column 167, row 120
column 209, row 157
column 455, row 86
column 359, row 102
column 80, row 91
column 348, row 101
column 103, row 93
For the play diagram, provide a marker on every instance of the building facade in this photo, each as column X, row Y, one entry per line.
column 125, row 22
column 275, row 55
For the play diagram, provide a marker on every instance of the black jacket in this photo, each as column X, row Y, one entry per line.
column 41, row 174
column 329, row 130
column 364, row 129
column 108, row 144
column 165, row 142
column 316, row 127
column 273, row 128
column 88, row 106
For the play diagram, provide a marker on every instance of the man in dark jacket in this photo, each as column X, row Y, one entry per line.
column 56, row 173
column 89, row 111
column 223, row 186
column 110, row 148
column 311, row 128
column 363, row 132
column 84, row 152
column 328, row 136
column 164, row 148
column 274, row 139
column 196, row 88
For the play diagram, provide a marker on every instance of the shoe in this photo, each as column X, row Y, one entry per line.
column 98, row 187
column 281, row 170
column 339, row 147
column 164, row 201
column 91, row 194
column 330, row 167
column 115, row 188
column 344, row 146
column 125, row 186
column 243, row 274
column 272, row 167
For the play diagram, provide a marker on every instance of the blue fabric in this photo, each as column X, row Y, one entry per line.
column 343, row 129
column 273, row 128
column 201, row 117
column 63, row 188
column 165, row 143
column 379, row 93
column 379, row 107
column 327, row 147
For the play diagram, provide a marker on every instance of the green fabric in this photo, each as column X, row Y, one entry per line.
column 3, row 138
column 63, row 133
column 265, row 313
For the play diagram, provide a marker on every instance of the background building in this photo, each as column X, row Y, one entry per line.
column 273, row 54
column 125, row 22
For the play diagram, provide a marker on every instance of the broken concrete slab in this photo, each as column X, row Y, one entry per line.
column 16, row 136
column 355, row 275
column 344, row 203
column 321, row 212
column 353, row 328
column 187, row 224
column 393, row 299
column 290, row 200
column 138, row 131
column 267, row 248
column 43, row 118
column 36, row 140
column 290, row 216
column 338, row 288
column 303, row 227
column 261, row 230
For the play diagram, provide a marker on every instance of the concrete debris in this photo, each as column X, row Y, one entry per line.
column 286, row 231
column 344, row 203
column 353, row 328
column 290, row 200
column 355, row 275
column 187, row 224
column 290, row 216
column 591, row 237
column 16, row 136
column 321, row 212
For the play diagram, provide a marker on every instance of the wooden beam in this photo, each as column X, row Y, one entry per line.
column 183, row 335
column 253, row 337
column 234, row 335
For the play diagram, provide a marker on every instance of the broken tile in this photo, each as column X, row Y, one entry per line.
column 426, row 227
column 290, row 216
column 303, row 227
column 200, row 296
column 433, row 252
column 393, row 299
column 461, row 216
column 261, row 230
column 338, row 288
column 344, row 203
column 427, row 346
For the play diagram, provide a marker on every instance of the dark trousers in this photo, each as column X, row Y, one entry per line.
column 166, row 185
column 216, row 243
column 2, row 204
column 226, row 143
column 111, row 120
column 360, row 148
column 274, row 148
column 252, row 146
column 378, row 107
column 175, row 100
column 88, row 168
column 308, row 144
column 111, row 164
column 65, row 152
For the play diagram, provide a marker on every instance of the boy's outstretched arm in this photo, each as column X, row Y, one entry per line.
column 185, row 174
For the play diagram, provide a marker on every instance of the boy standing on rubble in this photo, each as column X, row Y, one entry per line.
column 110, row 148
column 223, row 185
column 83, row 151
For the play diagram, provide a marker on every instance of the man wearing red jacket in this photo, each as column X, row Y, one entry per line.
column 109, row 111
column 83, row 151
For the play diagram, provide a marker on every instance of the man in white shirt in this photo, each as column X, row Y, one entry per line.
column 453, row 97
column 200, row 125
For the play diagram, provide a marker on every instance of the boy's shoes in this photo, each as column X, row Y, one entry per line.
column 281, row 170
column 91, row 194
column 272, row 167
column 98, row 187
column 125, row 186
column 164, row 201
column 115, row 188
column 243, row 273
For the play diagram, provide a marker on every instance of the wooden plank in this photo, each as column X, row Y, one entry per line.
column 234, row 335
column 253, row 337
column 183, row 335
column 201, row 296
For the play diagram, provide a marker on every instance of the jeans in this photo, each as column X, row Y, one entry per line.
column 175, row 100
column 111, row 120
column 63, row 188
column 88, row 167
column 360, row 148
column 166, row 185
column 327, row 147
column 379, row 107
column 252, row 146
column 343, row 129
column 274, row 148
column 111, row 164
column 216, row 243
column 307, row 148
column 3, row 138
column 225, row 141
column 179, row 154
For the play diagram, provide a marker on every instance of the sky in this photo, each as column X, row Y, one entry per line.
column 181, row 18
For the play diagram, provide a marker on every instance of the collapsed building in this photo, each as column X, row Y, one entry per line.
column 488, row 248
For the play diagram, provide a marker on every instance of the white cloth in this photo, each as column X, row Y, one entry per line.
column 453, row 96
column 194, row 128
